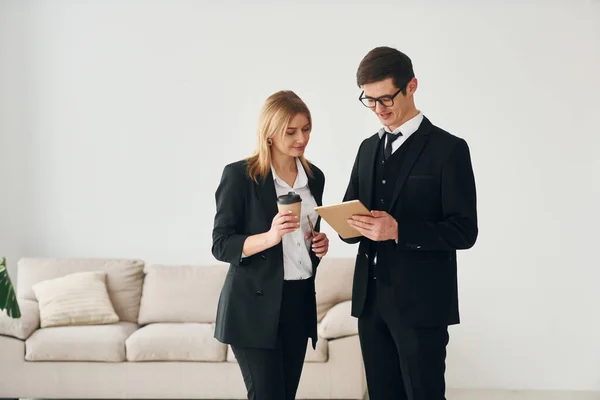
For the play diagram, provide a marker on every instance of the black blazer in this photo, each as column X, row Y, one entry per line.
column 248, row 310
column 434, row 202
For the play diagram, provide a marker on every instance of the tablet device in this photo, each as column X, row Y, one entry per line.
column 337, row 216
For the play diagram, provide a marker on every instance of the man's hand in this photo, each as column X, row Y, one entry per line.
column 380, row 226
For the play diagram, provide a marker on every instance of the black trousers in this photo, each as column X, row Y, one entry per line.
column 274, row 374
column 401, row 362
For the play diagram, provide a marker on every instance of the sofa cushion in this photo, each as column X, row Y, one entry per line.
column 175, row 342
column 181, row 293
column 21, row 328
column 79, row 343
column 75, row 299
column 338, row 322
column 318, row 355
column 333, row 283
column 124, row 279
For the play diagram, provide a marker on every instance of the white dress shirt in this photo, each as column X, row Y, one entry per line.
column 407, row 129
column 296, row 257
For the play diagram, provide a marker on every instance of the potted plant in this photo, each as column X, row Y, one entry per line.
column 8, row 299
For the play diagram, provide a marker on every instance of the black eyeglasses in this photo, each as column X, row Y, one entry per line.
column 386, row 101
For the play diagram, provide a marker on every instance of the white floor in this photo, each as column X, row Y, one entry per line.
column 465, row 394
column 472, row 394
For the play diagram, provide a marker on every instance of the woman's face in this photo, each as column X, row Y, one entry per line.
column 295, row 139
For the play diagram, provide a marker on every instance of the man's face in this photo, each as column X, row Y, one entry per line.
column 394, row 115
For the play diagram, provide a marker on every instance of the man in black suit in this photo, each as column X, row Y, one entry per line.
column 418, row 181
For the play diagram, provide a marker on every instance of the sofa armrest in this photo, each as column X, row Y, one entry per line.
column 338, row 322
column 21, row 328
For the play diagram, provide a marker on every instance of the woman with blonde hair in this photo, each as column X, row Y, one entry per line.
column 267, row 307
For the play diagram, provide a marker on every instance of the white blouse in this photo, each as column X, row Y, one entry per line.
column 296, row 251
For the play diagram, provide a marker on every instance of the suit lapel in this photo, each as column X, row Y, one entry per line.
column 412, row 154
column 268, row 194
column 316, row 189
column 366, row 175
column 268, row 197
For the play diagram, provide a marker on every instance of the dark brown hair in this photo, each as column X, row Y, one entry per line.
column 382, row 63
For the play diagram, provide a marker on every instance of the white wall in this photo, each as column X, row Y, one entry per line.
column 116, row 119
column 15, row 135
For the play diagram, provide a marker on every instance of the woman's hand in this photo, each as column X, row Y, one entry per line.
column 320, row 244
column 282, row 223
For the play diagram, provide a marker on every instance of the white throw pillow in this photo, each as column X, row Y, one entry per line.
column 338, row 322
column 75, row 299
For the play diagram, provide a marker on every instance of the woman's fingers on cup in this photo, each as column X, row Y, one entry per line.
column 284, row 214
column 288, row 218
column 290, row 226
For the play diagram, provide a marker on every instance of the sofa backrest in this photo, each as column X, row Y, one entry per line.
column 181, row 293
column 333, row 283
column 173, row 293
column 124, row 279
column 185, row 293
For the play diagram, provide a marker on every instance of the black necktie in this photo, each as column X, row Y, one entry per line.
column 388, row 147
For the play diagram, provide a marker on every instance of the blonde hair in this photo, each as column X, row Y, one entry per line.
column 275, row 116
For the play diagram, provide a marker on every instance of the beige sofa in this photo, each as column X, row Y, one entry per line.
column 163, row 345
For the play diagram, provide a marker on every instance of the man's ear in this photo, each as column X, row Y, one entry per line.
column 412, row 86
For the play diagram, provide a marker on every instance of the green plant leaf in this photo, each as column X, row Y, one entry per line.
column 8, row 299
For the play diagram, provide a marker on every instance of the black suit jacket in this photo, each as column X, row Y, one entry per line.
column 434, row 202
column 248, row 310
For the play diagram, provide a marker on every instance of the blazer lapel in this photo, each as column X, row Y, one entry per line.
column 268, row 197
column 412, row 154
column 316, row 189
column 366, row 174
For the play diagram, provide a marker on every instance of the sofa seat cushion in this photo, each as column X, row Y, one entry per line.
column 318, row 355
column 175, row 342
column 104, row 343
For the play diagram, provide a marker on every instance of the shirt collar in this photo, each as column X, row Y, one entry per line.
column 407, row 128
column 301, row 178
